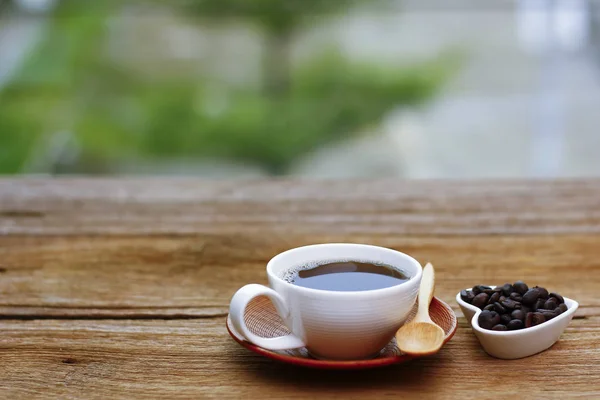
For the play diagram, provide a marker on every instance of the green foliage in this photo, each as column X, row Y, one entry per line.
column 70, row 84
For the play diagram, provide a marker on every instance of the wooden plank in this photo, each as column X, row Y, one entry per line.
column 195, row 276
column 374, row 207
column 119, row 288
column 197, row 359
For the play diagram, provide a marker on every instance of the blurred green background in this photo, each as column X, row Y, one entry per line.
column 88, row 98
column 301, row 88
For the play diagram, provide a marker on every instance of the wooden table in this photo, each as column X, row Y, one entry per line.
column 120, row 288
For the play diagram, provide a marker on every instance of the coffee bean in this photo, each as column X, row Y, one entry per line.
column 470, row 296
column 516, row 296
column 539, row 303
column 538, row 318
column 518, row 314
column 533, row 319
column 558, row 311
column 495, row 317
column 494, row 298
column 530, row 297
column 515, row 324
column 510, row 304
column 507, row 289
column 464, row 295
column 528, row 320
column 481, row 300
column 549, row 315
column 558, row 297
column 563, row 307
column 488, row 319
column 543, row 292
column 520, row 287
column 514, row 306
column 499, row 309
column 483, row 289
column 550, row 304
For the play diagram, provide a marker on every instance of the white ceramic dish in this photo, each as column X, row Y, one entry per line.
column 521, row 343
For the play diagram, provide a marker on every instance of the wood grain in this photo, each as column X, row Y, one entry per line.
column 196, row 276
column 196, row 359
column 374, row 208
column 120, row 288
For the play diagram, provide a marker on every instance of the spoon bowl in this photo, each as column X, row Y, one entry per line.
column 422, row 336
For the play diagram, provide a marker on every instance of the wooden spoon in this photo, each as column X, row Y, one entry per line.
column 422, row 336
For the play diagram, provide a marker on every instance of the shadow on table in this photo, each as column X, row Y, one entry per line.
column 413, row 374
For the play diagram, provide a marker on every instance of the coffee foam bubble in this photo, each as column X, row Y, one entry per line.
column 290, row 274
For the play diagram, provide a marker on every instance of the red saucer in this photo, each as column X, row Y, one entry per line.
column 262, row 319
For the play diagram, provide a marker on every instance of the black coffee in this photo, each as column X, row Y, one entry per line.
column 345, row 276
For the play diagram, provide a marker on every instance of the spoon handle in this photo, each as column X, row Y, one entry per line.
column 425, row 293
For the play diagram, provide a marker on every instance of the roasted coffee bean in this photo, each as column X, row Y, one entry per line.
column 530, row 297
column 470, row 296
column 464, row 295
column 514, row 306
column 515, row 324
column 510, row 304
column 539, row 303
column 533, row 319
column 482, row 289
column 549, row 315
column 550, row 304
column 520, row 287
column 507, row 289
column 481, row 300
column 516, row 296
column 488, row 319
column 518, row 314
column 563, row 307
column 543, row 292
column 528, row 319
column 558, row 297
column 499, row 309
column 494, row 298
column 558, row 311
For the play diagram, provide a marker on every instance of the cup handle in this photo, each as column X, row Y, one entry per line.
column 238, row 306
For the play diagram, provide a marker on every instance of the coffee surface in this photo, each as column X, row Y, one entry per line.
column 345, row 276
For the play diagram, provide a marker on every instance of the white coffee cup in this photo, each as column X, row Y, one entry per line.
column 332, row 324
